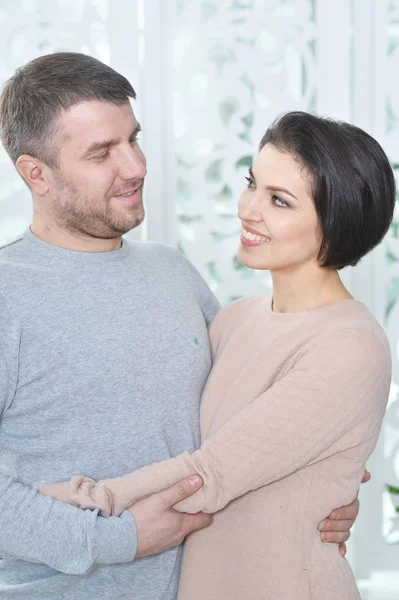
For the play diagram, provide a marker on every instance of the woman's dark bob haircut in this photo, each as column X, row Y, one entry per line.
column 353, row 183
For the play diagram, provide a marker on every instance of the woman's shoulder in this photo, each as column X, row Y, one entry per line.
column 351, row 320
column 345, row 337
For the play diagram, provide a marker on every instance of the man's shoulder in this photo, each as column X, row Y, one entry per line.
column 15, row 268
column 11, row 249
column 11, row 258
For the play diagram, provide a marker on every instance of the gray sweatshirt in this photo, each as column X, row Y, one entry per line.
column 103, row 360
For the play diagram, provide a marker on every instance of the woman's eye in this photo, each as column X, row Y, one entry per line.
column 279, row 202
column 134, row 141
column 250, row 182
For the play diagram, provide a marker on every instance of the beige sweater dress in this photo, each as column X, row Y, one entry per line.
column 290, row 413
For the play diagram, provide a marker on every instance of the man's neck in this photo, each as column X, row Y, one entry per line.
column 54, row 235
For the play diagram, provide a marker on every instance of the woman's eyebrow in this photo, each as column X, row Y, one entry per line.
column 273, row 188
column 276, row 188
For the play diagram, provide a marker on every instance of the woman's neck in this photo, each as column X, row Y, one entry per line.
column 306, row 289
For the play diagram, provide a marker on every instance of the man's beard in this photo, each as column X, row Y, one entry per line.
column 79, row 214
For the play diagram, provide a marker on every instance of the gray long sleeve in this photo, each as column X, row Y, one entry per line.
column 38, row 529
column 72, row 541
column 103, row 358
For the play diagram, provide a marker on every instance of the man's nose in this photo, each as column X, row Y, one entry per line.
column 133, row 164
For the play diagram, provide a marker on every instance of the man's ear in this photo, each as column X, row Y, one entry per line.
column 33, row 171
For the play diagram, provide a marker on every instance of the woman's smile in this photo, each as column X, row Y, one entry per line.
column 250, row 237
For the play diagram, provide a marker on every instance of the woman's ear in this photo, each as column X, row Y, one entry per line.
column 32, row 172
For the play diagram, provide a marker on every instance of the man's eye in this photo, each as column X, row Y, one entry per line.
column 134, row 141
column 100, row 156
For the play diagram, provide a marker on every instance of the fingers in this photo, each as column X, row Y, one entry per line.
column 193, row 522
column 346, row 513
column 181, row 490
column 366, row 477
column 335, row 537
column 330, row 525
column 342, row 549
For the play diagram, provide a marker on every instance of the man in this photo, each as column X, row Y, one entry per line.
column 103, row 342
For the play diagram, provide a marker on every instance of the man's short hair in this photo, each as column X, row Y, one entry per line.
column 353, row 182
column 33, row 99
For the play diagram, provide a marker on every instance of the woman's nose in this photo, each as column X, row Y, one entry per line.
column 248, row 207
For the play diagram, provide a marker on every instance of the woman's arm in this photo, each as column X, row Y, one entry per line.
column 342, row 379
column 113, row 496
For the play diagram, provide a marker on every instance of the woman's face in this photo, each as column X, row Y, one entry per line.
column 280, row 229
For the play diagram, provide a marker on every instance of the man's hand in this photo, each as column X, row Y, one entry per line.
column 159, row 526
column 336, row 528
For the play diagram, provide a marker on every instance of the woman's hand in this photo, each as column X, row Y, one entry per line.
column 336, row 528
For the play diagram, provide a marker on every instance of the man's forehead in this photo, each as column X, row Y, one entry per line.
column 91, row 121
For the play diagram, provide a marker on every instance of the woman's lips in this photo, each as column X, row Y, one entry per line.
column 250, row 237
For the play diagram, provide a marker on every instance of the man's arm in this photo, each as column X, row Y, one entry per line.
column 37, row 529
column 159, row 526
column 336, row 527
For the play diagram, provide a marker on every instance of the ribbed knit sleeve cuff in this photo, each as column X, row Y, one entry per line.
column 116, row 539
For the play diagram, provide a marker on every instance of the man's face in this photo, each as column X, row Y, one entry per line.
column 96, row 190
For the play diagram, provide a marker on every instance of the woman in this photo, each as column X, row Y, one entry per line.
column 294, row 403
